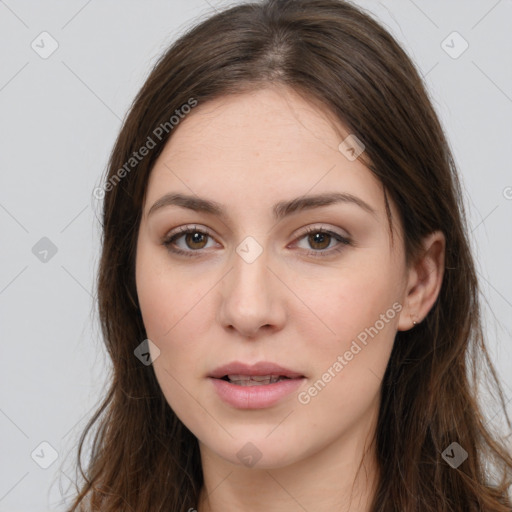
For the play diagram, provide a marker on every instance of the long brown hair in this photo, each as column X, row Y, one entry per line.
column 142, row 457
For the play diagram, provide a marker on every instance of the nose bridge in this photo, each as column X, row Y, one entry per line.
column 249, row 297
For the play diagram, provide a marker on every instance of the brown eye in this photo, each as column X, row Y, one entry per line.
column 188, row 241
column 319, row 240
column 196, row 240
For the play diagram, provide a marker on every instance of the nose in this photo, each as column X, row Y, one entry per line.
column 252, row 298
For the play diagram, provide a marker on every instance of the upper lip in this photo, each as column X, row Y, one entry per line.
column 260, row 368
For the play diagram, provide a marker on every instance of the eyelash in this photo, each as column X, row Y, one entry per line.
column 184, row 230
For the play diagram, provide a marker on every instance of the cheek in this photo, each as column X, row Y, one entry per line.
column 171, row 306
column 352, row 299
column 167, row 296
column 176, row 313
column 359, row 313
column 176, row 318
column 348, row 370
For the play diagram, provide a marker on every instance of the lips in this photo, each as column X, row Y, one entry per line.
column 261, row 373
column 263, row 368
column 258, row 386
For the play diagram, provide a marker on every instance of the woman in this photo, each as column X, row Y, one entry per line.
column 286, row 287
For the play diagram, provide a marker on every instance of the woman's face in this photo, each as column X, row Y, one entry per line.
column 278, row 278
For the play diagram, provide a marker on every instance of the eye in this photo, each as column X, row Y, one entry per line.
column 320, row 239
column 324, row 242
column 194, row 239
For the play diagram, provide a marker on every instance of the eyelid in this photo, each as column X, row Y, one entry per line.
column 321, row 227
column 186, row 228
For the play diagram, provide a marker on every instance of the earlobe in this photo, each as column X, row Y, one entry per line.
column 424, row 281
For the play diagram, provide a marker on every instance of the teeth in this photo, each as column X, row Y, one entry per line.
column 254, row 380
column 251, row 377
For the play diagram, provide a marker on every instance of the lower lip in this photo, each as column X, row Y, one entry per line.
column 255, row 397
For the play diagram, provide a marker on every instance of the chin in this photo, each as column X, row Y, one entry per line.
column 258, row 451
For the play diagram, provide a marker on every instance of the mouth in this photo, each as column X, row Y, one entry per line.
column 255, row 380
column 259, row 386
column 258, row 374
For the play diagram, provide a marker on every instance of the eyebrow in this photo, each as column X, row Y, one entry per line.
column 280, row 210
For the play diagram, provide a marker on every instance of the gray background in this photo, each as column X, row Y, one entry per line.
column 59, row 119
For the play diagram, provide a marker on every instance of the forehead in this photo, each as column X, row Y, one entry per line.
column 257, row 147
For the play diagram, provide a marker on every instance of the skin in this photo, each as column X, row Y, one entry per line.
column 247, row 152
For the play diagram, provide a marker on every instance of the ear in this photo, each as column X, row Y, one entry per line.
column 425, row 277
